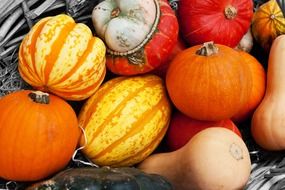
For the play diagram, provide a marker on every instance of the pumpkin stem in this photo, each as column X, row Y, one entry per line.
column 208, row 49
column 115, row 12
column 39, row 97
column 230, row 12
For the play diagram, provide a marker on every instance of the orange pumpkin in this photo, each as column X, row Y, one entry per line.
column 268, row 22
column 257, row 90
column 208, row 82
column 38, row 135
column 125, row 120
column 62, row 57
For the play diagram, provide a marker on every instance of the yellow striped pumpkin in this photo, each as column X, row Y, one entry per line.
column 125, row 120
column 62, row 57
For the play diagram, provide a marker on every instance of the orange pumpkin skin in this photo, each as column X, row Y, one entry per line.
column 125, row 120
column 62, row 57
column 268, row 22
column 257, row 90
column 209, row 87
column 36, row 140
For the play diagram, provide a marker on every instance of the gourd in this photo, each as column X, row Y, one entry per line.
column 267, row 124
column 62, row 57
column 208, row 82
column 268, row 22
column 257, row 91
column 222, row 21
column 139, row 34
column 246, row 42
column 182, row 128
column 38, row 135
column 126, row 178
column 215, row 158
column 125, row 120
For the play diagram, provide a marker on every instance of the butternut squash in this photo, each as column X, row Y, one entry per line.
column 267, row 124
column 214, row 159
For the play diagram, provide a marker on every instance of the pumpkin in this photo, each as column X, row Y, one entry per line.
column 139, row 34
column 62, row 57
column 127, row 178
column 267, row 124
column 268, row 22
column 208, row 82
column 222, row 21
column 182, row 128
column 257, row 90
column 215, row 158
column 35, row 128
column 162, row 69
column 246, row 42
column 125, row 120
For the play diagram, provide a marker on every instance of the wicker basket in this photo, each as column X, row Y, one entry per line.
column 18, row 16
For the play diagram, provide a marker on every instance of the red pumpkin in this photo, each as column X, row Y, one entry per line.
column 139, row 34
column 222, row 21
column 182, row 128
column 162, row 69
column 38, row 135
column 208, row 82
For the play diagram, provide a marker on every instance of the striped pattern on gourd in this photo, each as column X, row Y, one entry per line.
column 125, row 120
column 62, row 57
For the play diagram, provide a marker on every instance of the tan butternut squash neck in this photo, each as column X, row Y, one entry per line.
column 276, row 68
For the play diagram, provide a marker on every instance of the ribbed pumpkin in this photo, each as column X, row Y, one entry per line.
column 62, row 57
column 125, row 120
column 38, row 135
column 268, row 22
column 139, row 34
column 258, row 88
column 208, row 82
column 222, row 21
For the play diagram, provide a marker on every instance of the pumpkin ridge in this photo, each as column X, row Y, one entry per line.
column 147, row 38
column 56, row 47
column 4, row 116
column 79, row 62
column 132, row 132
column 31, row 68
column 116, row 110
column 27, row 74
column 85, row 116
column 151, row 146
column 78, row 84
column 72, row 95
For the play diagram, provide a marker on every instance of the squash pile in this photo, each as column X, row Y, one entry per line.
column 145, row 75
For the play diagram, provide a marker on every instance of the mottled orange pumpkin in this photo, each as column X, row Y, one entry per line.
column 125, row 120
column 268, row 22
column 208, row 82
column 62, row 57
column 38, row 135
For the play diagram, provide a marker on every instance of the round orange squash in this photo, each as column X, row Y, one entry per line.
column 208, row 82
column 62, row 57
column 268, row 22
column 38, row 135
column 125, row 120
column 257, row 90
